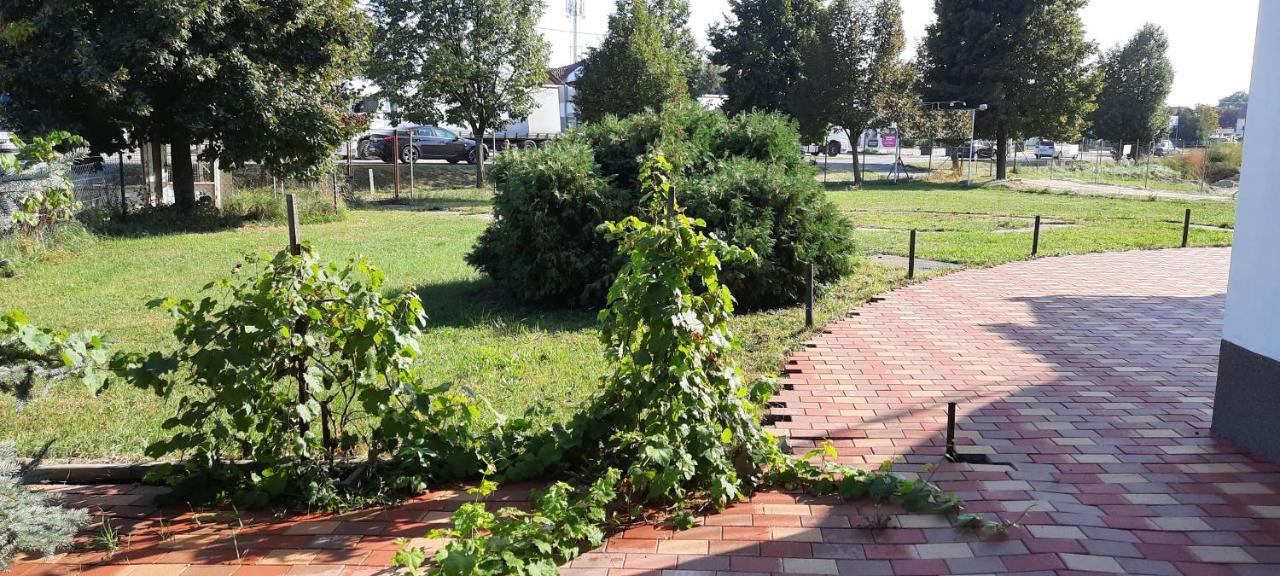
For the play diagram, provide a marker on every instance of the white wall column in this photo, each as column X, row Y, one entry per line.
column 1247, row 403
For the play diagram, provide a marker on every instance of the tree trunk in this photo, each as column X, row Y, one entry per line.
column 857, row 169
column 1002, row 147
column 184, row 177
column 478, row 134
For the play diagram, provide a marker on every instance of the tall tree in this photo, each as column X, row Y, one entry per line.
column 259, row 82
column 1137, row 78
column 636, row 67
column 852, row 73
column 1027, row 60
column 1196, row 125
column 1236, row 100
column 676, row 34
column 759, row 47
column 475, row 63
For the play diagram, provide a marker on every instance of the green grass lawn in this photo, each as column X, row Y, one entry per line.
column 991, row 225
column 513, row 355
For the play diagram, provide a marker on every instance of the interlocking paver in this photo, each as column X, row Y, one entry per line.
column 1088, row 380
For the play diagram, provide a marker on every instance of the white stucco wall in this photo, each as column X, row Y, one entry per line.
column 1253, row 298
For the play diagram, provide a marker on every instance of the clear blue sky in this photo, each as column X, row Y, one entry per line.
column 1211, row 43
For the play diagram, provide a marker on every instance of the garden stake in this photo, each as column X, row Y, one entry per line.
column 911, row 257
column 291, row 206
column 808, row 299
column 951, row 432
column 371, row 189
column 1035, row 239
column 1186, row 227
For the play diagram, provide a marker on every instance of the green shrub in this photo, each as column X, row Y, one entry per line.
column 544, row 246
column 743, row 175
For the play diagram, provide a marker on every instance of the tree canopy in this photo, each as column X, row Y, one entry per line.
column 260, row 82
column 471, row 62
column 1027, row 60
column 637, row 66
column 1137, row 79
column 759, row 48
column 1196, row 125
column 1238, row 99
column 852, row 74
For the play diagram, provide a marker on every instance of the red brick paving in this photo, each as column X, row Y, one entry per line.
column 1091, row 376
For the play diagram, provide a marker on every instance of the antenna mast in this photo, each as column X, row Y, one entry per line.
column 573, row 8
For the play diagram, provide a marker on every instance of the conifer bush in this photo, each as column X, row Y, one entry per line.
column 744, row 176
column 30, row 521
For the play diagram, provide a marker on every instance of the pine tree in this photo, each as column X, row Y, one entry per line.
column 1027, row 60
column 1137, row 79
column 30, row 521
column 634, row 68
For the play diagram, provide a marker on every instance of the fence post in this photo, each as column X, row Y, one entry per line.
column 911, row 257
column 395, row 161
column 1186, row 227
column 333, row 179
column 371, row 188
column 124, row 199
column 351, row 152
column 808, row 296
column 291, row 206
column 1035, row 239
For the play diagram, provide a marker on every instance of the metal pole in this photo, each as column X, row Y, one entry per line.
column 395, row 160
column 351, row 151
column 911, row 257
column 973, row 132
column 1035, row 239
column 951, row 431
column 291, row 206
column 333, row 179
column 1186, row 227
column 1146, row 175
column 413, row 160
column 808, row 298
column 124, row 200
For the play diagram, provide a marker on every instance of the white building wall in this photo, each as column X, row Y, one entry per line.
column 1253, row 298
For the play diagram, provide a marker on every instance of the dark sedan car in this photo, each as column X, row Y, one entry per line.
column 428, row 142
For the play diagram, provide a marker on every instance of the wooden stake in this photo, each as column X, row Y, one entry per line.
column 291, row 206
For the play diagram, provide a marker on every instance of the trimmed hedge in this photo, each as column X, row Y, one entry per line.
column 743, row 175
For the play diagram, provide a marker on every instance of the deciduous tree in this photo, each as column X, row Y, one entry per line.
column 852, row 73
column 257, row 81
column 470, row 62
column 636, row 67
column 1027, row 60
column 760, row 50
column 1137, row 79
column 1238, row 99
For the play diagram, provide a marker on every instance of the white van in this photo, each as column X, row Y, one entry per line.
column 1057, row 150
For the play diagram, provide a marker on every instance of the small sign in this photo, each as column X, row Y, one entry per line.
column 1127, row 149
column 889, row 139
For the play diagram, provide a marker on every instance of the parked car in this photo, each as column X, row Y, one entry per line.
column 983, row 150
column 428, row 142
column 837, row 143
column 1164, row 148
column 1057, row 150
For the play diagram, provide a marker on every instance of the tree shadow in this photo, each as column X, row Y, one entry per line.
column 472, row 303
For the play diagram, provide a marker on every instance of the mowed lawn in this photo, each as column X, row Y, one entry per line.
column 992, row 225
column 516, row 356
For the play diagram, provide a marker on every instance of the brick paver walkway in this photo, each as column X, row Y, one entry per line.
column 1088, row 380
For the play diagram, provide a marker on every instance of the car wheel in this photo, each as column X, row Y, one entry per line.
column 453, row 160
column 409, row 154
column 471, row 158
column 364, row 149
column 833, row 148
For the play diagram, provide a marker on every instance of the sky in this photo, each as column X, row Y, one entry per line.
column 1210, row 41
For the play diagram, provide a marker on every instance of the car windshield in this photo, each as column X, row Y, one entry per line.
column 1046, row 143
column 441, row 132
